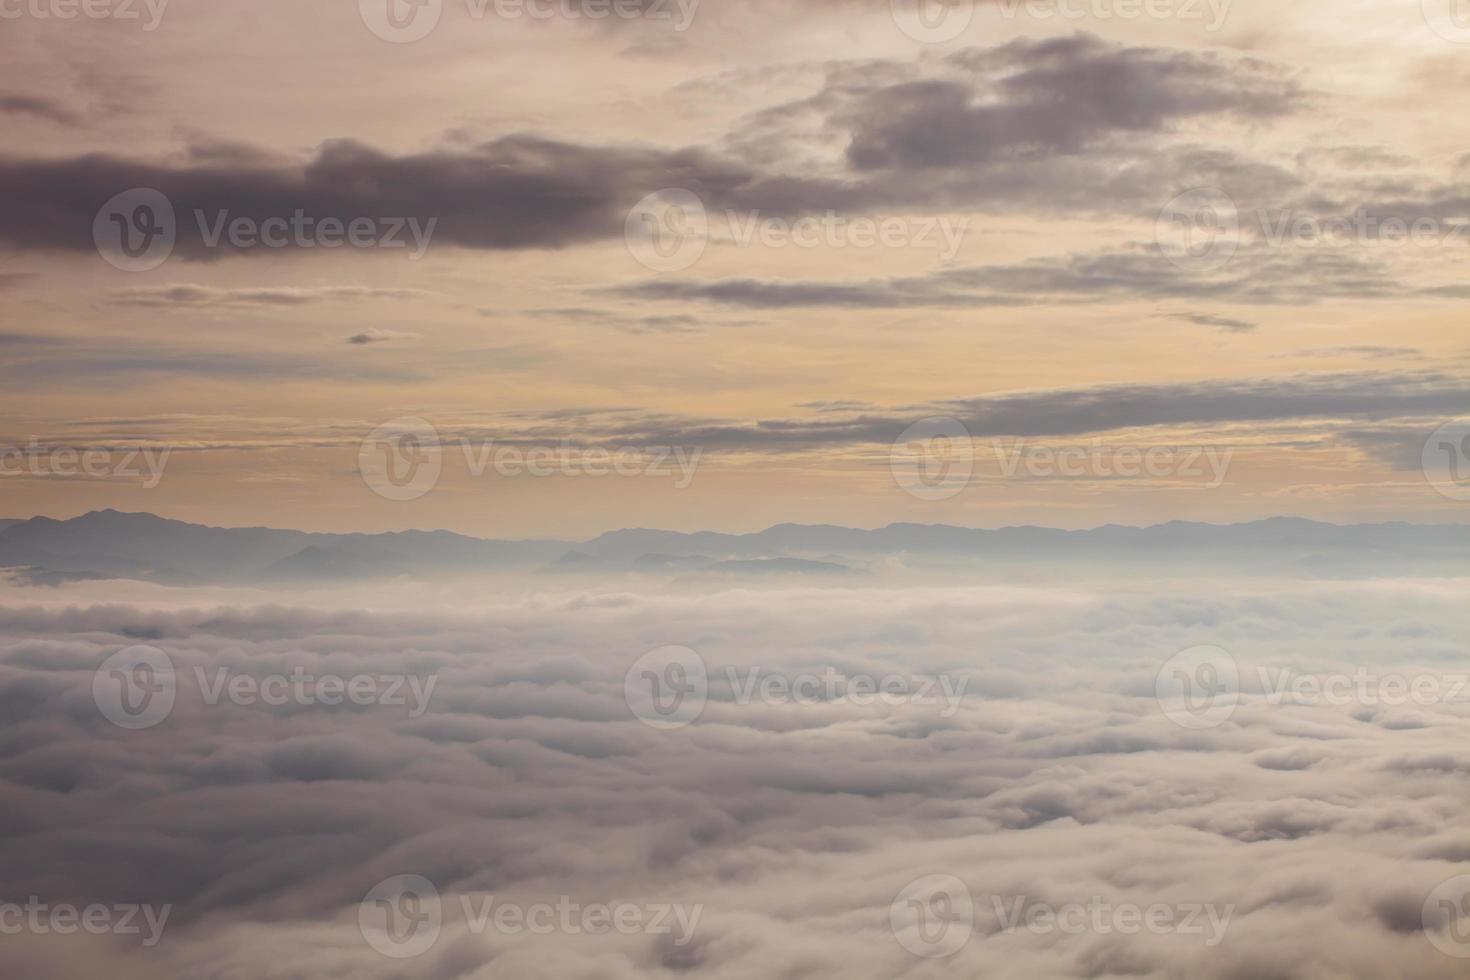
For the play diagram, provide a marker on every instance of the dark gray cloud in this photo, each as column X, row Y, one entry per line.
column 373, row 335
column 39, row 107
column 190, row 296
column 973, row 137
column 629, row 323
column 114, row 364
column 1354, row 397
column 1228, row 324
column 1257, row 274
column 1039, row 99
column 1373, row 352
column 515, row 192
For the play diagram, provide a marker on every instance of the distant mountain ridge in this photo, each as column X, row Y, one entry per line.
column 118, row 545
column 112, row 544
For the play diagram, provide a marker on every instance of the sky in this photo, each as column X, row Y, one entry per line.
column 772, row 236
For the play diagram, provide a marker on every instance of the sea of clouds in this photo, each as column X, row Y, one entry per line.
column 1046, row 811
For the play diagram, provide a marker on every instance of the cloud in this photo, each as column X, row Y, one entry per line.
column 1228, row 324
column 373, row 335
column 1257, row 274
column 1038, row 99
column 38, row 107
column 193, row 296
column 967, row 132
column 650, row 323
column 794, row 826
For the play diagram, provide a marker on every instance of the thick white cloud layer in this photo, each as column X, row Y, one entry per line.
column 1313, row 832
